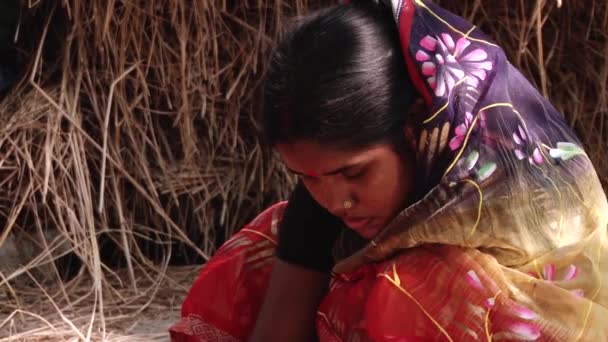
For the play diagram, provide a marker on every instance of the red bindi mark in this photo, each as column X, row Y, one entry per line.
column 312, row 174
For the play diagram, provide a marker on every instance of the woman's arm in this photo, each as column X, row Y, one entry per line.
column 300, row 276
column 289, row 311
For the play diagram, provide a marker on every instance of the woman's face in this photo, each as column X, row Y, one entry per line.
column 376, row 181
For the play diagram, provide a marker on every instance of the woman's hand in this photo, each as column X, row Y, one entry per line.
column 290, row 308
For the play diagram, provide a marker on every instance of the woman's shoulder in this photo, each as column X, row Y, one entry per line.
column 304, row 231
column 307, row 232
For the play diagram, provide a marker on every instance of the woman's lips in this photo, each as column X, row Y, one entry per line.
column 357, row 223
column 365, row 227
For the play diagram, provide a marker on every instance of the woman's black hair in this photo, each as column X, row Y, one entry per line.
column 338, row 77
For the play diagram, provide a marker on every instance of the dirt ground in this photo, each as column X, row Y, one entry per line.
column 145, row 314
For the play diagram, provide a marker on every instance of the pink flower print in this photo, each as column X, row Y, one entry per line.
column 549, row 272
column 525, row 313
column 461, row 130
column 521, row 329
column 523, row 146
column 525, row 331
column 578, row 292
column 518, row 324
column 569, row 274
column 473, row 280
column 445, row 62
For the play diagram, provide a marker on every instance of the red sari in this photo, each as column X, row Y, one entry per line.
column 429, row 293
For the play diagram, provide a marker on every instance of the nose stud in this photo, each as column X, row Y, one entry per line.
column 348, row 204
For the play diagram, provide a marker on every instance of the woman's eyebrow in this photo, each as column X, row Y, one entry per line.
column 329, row 173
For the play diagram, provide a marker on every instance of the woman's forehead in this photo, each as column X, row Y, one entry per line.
column 311, row 158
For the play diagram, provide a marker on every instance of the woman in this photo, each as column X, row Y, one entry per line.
column 479, row 218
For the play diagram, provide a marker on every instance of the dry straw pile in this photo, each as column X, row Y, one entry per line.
column 130, row 144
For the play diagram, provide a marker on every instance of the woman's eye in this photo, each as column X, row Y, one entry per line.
column 307, row 178
column 353, row 174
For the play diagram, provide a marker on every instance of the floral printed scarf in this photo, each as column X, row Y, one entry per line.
column 505, row 179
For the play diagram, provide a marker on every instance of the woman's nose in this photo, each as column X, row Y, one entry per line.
column 334, row 199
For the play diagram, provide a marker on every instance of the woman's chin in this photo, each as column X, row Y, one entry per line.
column 367, row 232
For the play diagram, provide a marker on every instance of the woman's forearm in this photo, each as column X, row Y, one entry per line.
column 290, row 308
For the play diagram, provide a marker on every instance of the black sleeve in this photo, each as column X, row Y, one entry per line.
column 307, row 232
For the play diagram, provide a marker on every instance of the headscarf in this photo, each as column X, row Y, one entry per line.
column 506, row 179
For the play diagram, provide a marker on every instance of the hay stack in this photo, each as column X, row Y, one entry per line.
column 131, row 140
